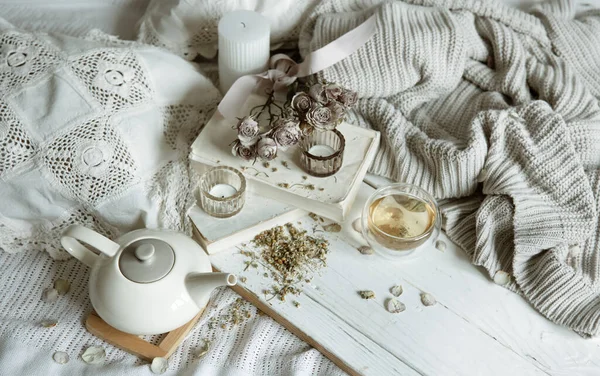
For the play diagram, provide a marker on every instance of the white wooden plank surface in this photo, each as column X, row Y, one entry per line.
column 506, row 317
column 363, row 335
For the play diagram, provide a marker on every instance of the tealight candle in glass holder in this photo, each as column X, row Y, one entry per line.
column 222, row 191
column 322, row 152
column 398, row 219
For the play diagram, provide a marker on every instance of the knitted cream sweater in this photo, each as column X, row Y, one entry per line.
column 497, row 112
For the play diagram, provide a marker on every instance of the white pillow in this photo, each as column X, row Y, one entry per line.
column 189, row 28
column 94, row 131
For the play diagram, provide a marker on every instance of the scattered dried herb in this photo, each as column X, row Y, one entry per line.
column 244, row 169
column 274, row 169
column 321, row 189
column 394, row 306
column 367, row 294
column 283, row 185
column 304, row 177
column 62, row 286
column 296, row 304
column 333, row 227
column 236, row 314
column 314, row 217
column 285, row 164
column 243, row 279
column 365, row 250
column 291, row 254
column 266, row 164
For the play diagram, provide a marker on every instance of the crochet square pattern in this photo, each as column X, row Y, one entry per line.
column 91, row 161
column 15, row 145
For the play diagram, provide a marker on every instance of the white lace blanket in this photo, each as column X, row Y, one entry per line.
column 96, row 131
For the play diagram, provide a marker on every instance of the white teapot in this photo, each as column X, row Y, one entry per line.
column 147, row 281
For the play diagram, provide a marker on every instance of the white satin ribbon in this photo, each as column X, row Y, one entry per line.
column 283, row 71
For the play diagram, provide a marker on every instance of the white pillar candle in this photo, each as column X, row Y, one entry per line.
column 243, row 46
column 223, row 190
column 321, row 150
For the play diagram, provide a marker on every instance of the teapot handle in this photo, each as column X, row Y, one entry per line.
column 71, row 240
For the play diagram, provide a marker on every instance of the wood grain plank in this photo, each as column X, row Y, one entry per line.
column 506, row 317
column 361, row 335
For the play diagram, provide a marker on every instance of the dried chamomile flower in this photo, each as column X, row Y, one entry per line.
column 396, row 290
column 94, row 355
column 283, row 185
column 266, row 164
column 62, row 286
column 159, row 365
column 61, row 357
column 321, row 189
column 265, row 275
column 304, row 177
column 314, row 217
column 333, row 227
column 427, row 299
column 284, row 164
column 201, row 351
column 296, row 304
column 367, row 294
column 50, row 323
column 274, row 169
column 50, row 295
column 365, row 250
column 394, row 306
column 243, row 279
column 501, row 277
column 440, row 245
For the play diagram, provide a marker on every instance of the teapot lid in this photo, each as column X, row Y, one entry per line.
column 146, row 260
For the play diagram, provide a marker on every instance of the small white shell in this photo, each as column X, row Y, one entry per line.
column 440, row 245
column 396, row 290
column 201, row 351
column 357, row 225
column 501, row 277
column 94, row 355
column 365, row 250
column 50, row 323
column 50, row 295
column 427, row 299
column 62, row 286
column 61, row 357
column 159, row 365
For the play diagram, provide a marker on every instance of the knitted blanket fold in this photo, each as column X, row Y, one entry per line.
column 497, row 112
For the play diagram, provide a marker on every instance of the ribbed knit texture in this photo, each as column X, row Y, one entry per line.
column 496, row 112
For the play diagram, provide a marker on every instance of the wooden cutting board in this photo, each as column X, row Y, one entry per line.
column 361, row 336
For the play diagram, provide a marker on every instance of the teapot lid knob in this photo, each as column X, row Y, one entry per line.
column 144, row 252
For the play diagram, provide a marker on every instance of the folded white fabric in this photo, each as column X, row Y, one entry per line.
column 94, row 131
column 468, row 92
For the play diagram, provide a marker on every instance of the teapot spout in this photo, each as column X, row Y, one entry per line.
column 200, row 285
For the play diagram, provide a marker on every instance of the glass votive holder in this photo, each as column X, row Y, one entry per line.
column 322, row 152
column 400, row 219
column 222, row 191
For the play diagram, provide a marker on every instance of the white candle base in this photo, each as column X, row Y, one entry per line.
column 222, row 190
column 321, row 150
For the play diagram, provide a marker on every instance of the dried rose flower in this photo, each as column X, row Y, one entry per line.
column 338, row 112
column 245, row 152
column 318, row 94
column 348, row 98
column 267, row 148
column 333, row 91
column 248, row 131
column 301, row 102
column 287, row 134
column 321, row 117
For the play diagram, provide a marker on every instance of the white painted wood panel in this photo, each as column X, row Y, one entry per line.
column 467, row 291
column 363, row 335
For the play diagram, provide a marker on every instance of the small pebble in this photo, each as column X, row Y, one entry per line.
column 62, row 286
column 440, row 245
column 159, row 365
column 94, row 355
column 50, row 295
column 357, row 225
column 61, row 357
column 394, row 306
column 396, row 290
column 501, row 278
column 49, row 323
column 427, row 299
column 365, row 250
